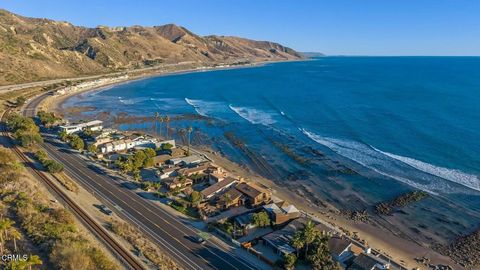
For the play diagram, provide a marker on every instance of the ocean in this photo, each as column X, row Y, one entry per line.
column 352, row 130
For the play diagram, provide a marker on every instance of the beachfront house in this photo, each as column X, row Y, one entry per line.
column 218, row 188
column 95, row 125
column 198, row 173
column 368, row 262
column 343, row 250
column 165, row 173
column 280, row 240
column 216, row 174
column 281, row 212
column 231, row 198
column 187, row 161
column 256, row 194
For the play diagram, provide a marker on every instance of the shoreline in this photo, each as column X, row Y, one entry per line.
column 380, row 239
column 57, row 104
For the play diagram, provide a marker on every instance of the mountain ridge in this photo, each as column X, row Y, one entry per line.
column 34, row 49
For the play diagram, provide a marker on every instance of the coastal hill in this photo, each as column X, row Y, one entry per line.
column 34, row 49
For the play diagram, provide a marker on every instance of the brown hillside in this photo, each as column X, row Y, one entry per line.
column 34, row 49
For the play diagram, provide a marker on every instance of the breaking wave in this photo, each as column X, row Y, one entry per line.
column 254, row 116
column 415, row 173
column 468, row 180
column 205, row 108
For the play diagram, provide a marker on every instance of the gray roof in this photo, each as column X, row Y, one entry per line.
column 337, row 245
column 364, row 262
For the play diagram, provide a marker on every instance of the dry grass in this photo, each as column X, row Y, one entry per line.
column 149, row 249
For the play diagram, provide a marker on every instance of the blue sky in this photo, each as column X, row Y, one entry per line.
column 346, row 27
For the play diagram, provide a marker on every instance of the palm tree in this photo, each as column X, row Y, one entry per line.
column 5, row 224
column 167, row 121
column 160, row 119
column 181, row 133
column 156, row 116
column 298, row 241
column 33, row 260
column 189, row 131
column 309, row 234
column 16, row 235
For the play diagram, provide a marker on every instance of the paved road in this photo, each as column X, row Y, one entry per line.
column 8, row 88
column 169, row 232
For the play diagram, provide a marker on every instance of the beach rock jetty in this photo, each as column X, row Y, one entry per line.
column 386, row 208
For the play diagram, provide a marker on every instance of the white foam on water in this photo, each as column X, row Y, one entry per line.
column 457, row 176
column 206, row 108
column 254, row 116
column 418, row 176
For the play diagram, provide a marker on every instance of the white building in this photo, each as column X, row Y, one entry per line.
column 94, row 125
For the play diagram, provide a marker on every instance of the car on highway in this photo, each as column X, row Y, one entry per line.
column 105, row 209
column 198, row 239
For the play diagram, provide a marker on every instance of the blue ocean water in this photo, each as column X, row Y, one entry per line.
column 400, row 122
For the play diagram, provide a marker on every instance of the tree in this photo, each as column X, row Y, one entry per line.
column 261, row 219
column 9, row 167
column 189, row 131
column 289, row 261
column 166, row 146
column 63, row 135
column 297, row 241
column 309, row 234
column 77, row 143
column 15, row 235
column 156, row 116
column 33, row 260
column 195, row 197
column 41, row 155
column 53, row 166
column 92, row 148
column 149, row 152
column 138, row 159
column 5, row 225
column 167, row 121
column 20, row 101
column 319, row 257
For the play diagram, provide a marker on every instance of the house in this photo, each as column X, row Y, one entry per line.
column 231, row 198
column 280, row 240
column 281, row 212
column 174, row 183
column 164, row 157
column 167, row 172
column 120, row 145
column 218, row 188
column 340, row 249
column 197, row 173
column 187, row 161
column 256, row 194
column 368, row 262
column 106, row 148
column 245, row 222
column 216, row 174
column 95, row 125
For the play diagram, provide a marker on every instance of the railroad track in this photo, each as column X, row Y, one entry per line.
column 125, row 255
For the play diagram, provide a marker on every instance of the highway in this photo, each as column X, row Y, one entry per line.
column 12, row 87
column 127, row 257
column 169, row 232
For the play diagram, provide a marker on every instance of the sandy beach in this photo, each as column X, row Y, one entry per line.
column 400, row 249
